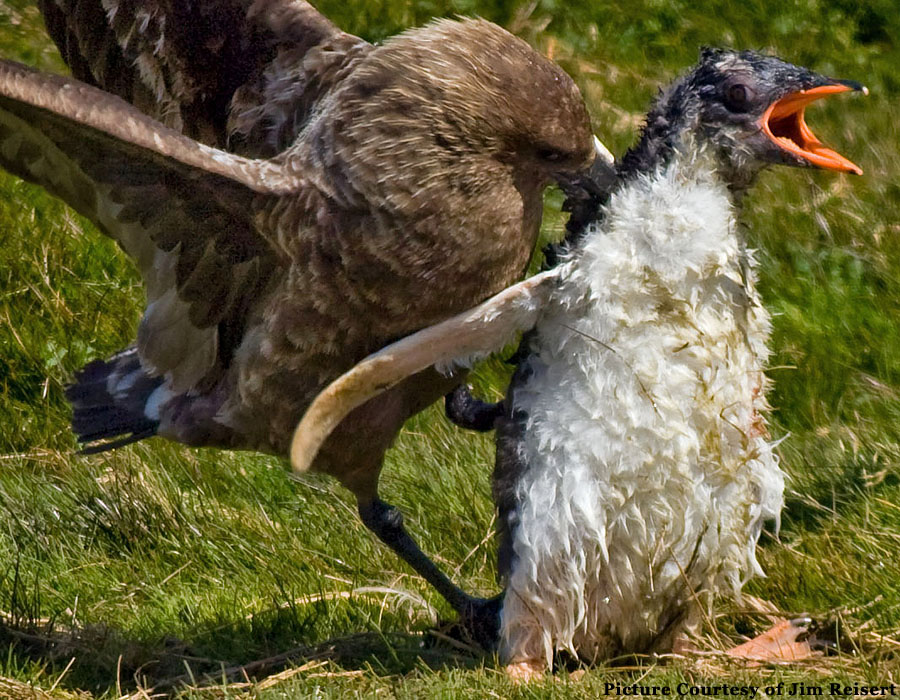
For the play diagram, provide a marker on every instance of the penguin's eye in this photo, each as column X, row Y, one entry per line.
column 739, row 97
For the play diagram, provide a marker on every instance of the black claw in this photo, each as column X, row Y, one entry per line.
column 481, row 622
column 478, row 624
column 466, row 411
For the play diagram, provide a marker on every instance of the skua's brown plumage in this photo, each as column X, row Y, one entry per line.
column 310, row 198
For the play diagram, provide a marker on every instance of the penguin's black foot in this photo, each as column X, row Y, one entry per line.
column 470, row 413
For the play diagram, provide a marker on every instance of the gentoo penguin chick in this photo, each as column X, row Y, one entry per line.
column 634, row 468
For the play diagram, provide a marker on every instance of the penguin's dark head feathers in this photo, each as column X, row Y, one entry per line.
column 750, row 108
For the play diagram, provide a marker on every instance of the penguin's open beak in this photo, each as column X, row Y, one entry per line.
column 784, row 122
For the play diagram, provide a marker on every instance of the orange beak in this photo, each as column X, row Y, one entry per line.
column 784, row 123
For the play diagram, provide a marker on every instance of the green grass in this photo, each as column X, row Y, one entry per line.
column 166, row 564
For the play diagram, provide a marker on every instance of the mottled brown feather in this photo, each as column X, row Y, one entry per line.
column 229, row 73
column 102, row 153
column 405, row 186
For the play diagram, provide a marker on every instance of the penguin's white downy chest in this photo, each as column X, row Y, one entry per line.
column 648, row 471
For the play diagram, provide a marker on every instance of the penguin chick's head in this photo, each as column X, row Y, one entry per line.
column 751, row 108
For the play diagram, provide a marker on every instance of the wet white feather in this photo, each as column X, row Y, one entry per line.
column 648, row 474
